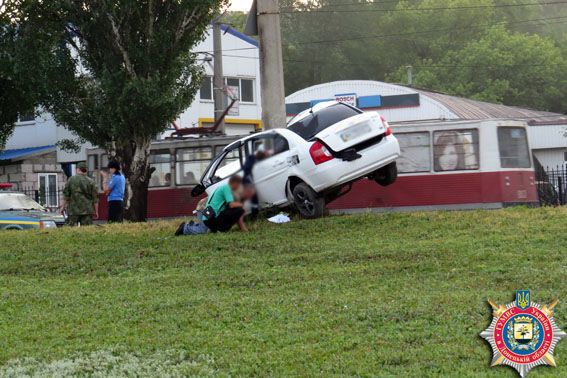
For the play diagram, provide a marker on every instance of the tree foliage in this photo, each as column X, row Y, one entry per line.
column 329, row 40
column 502, row 67
column 117, row 72
column 17, row 95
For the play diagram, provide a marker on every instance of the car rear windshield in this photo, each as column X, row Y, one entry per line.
column 315, row 122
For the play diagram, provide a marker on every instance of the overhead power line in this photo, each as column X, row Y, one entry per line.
column 373, row 36
column 554, row 20
column 327, row 10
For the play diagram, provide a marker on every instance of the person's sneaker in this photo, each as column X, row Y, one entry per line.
column 179, row 231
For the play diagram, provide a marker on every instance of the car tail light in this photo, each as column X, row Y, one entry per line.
column 388, row 130
column 319, row 153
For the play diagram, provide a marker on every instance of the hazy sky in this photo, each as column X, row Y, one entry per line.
column 241, row 5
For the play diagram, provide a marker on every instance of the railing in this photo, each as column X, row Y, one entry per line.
column 552, row 185
column 47, row 198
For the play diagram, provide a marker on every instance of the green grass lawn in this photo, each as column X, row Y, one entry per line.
column 365, row 295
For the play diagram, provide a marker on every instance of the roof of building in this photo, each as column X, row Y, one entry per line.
column 237, row 34
column 466, row 108
column 397, row 103
column 22, row 153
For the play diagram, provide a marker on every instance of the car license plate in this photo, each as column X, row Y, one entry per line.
column 354, row 132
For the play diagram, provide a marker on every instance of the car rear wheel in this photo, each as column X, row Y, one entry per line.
column 309, row 204
column 386, row 175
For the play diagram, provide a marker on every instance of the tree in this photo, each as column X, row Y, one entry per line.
column 119, row 71
column 502, row 67
column 16, row 94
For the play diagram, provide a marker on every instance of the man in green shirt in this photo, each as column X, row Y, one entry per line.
column 81, row 198
column 227, row 211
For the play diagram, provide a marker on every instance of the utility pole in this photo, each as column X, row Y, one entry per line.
column 218, row 78
column 271, row 62
column 409, row 70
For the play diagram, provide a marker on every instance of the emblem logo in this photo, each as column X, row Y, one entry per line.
column 523, row 333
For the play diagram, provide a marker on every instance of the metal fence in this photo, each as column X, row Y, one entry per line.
column 50, row 199
column 552, row 185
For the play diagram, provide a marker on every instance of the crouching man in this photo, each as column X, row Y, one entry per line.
column 222, row 211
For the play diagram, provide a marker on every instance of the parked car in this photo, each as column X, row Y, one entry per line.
column 312, row 161
column 20, row 212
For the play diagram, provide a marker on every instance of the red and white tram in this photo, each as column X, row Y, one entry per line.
column 444, row 165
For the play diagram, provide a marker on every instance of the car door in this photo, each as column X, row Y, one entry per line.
column 228, row 163
column 271, row 172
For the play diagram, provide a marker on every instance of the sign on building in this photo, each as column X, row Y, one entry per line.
column 347, row 98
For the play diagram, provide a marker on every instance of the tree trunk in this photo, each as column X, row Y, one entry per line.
column 134, row 157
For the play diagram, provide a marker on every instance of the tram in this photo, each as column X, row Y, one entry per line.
column 444, row 165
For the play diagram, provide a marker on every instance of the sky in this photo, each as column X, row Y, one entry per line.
column 240, row 5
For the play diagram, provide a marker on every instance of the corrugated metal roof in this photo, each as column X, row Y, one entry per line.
column 466, row 108
column 20, row 153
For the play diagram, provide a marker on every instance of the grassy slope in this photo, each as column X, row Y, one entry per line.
column 395, row 294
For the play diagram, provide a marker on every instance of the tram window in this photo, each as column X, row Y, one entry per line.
column 513, row 144
column 161, row 176
column 455, row 150
column 190, row 164
column 416, row 152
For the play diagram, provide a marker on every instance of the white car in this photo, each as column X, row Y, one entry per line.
column 314, row 160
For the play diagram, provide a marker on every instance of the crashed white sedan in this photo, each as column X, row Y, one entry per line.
column 322, row 151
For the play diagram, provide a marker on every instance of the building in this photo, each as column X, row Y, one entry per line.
column 33, row 161
column 403, row 105
column 241, row 68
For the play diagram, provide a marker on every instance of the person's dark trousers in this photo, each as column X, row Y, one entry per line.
column 225, row 220
column 115, row 211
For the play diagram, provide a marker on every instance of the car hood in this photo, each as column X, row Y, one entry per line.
column 33, row 215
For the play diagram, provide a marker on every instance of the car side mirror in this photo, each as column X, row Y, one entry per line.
column 198, row 190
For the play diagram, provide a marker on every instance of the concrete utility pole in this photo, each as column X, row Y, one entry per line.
column 218, row 78
column 271, row 64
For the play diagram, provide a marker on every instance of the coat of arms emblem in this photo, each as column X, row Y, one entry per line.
column 523, row 333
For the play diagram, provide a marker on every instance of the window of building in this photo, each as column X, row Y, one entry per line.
column 161, row 176
column 245, row 88
column 26, row 117
column 92, row 163
column 206, row 91
column 47, row 190
column 513, row 144
column 191, row 164
column 416, row 152
column 104, row 160
column 455, row 150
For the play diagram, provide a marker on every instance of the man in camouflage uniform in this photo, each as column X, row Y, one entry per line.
column 81, row 198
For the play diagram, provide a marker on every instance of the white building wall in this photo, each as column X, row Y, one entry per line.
column 37, row 133
column 240, row 60
column 548, row 136
column 551, row 158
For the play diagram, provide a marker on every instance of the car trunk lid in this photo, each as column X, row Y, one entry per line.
column 352, row 131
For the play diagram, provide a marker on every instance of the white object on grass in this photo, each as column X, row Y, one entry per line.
column 280, row 218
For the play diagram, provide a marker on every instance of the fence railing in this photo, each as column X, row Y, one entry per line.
column 552, row 185
column 50, row 199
